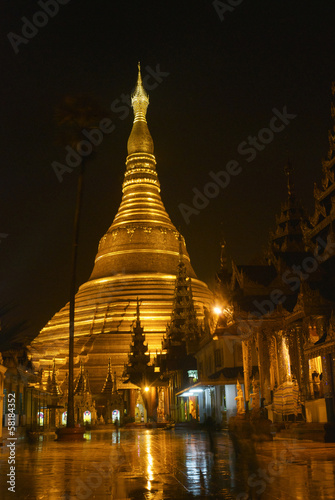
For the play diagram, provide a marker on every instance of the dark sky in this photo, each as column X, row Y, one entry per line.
column 224, row 80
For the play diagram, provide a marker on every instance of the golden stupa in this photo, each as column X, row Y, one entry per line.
column 137, row 257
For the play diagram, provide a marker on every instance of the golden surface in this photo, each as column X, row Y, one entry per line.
column 137, row 257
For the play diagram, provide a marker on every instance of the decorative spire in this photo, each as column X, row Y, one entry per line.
column 108, row 385
column 140, row 99
column 140, row 140
column 52, row 381
column 49, row 384
column 288, row 172
column 223, row 256
column 184, row 325
column 180, row 241
column 115, row 382
column 138, row 322
column 82, row 384
column 288, row 241
column 137, row 369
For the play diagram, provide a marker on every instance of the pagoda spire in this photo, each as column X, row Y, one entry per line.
column 138, row 322
column 108, row 385
column 180, row 242
column 287, row 242
column 49, row 383
column 82, row 384
column 55, row 390
column 137, row 369
column 140, row 140
column 140, row 99
column 137, row 257
column 184, row 325
column 141, row 215
column 288, row 172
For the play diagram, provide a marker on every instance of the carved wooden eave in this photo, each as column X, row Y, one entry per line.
column 331, row 139
column 326, row 165
column 306, row 229
column 205, row 339
column 319, row 226
column 311, row 303
column 317, row 193
column 247, row 324
column 298, row 312
column 320, row 349
column 236, row 276
column 277, row 318
column 249, row 286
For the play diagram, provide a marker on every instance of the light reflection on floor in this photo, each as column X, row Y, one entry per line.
column 159, row 464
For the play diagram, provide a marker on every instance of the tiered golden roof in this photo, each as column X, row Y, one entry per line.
column 137, row 257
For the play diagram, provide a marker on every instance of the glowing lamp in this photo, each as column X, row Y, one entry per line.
column 146, row 389
column 217, row 310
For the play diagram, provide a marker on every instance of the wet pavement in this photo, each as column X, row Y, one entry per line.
column 168, row 464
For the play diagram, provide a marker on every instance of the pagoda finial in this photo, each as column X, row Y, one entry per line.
column 115, row 382
column 140, row 140
column 223, row 256
column 139, row 77
column 180, row 248
column 288, row 172
column 139, row 99
column 138, row 323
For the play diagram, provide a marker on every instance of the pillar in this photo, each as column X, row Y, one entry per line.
column 246, row 352
column 328, row 387
column 259, row 346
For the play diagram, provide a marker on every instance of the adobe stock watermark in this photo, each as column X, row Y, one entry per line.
column 30, row 28
column 265, row 476
column 249, row 148
column 228, row 6
column 94, row 137
column 102, row 474
column 292, row 277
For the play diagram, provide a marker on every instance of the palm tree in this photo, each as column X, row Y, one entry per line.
column 75, row 114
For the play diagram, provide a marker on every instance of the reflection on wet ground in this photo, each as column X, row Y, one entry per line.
column 174, row 464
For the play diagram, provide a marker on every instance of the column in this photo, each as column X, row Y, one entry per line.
column 328, row 388
column 259, row 347
column 246, row 352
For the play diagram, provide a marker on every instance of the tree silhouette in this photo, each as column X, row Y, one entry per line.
column 72, row 116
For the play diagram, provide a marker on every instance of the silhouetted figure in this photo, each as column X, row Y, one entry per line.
column 210, row 426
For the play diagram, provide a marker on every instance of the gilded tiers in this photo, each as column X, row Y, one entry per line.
column 142, row 238
column 137, row 258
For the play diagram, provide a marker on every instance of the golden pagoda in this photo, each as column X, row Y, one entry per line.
column 137, row 257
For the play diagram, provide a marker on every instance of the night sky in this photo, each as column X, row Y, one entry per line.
column 222, row 80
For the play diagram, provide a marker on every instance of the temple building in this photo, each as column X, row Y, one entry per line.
column 137, row 257
column 282, row 311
